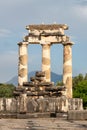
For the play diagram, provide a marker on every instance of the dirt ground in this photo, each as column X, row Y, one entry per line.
column 42, row 124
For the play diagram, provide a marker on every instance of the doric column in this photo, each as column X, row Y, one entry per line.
column 23, row 63
column 67, row 68
column 46, row 61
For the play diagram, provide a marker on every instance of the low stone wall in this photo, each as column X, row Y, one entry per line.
column 77, row 115
column 8, row 105
column 47, row 105
column 24, row 104
column 75, row 104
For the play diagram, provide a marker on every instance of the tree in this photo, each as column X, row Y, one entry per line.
column 80, row 91
column 77, row 79
column 85, row 76
column 6, row 90
column 79, row 88
column 59, row 83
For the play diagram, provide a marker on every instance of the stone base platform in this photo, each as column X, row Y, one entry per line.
column 33, row 115
column 70, row 115
column 25, row 104
column 77, row 115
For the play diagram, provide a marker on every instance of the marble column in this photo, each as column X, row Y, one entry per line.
column 23, row 63
column 46, row 61
column 67, row 68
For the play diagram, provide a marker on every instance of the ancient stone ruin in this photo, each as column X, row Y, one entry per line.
column 46, row 35
column 40, row 96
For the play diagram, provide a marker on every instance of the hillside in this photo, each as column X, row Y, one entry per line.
column 54, row 77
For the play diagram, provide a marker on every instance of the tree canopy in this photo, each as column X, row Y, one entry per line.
column 6, row 90
column 79, row 88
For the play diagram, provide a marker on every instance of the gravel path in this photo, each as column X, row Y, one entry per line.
column 42, row 124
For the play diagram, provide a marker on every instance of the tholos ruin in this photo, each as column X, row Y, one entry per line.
column 40, row 95
column 46, row 35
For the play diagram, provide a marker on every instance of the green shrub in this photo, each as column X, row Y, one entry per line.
column 6, row 90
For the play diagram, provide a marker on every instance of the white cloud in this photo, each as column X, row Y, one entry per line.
column 80, row 9
column 5, row 33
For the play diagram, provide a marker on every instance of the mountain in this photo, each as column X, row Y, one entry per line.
column 54, row 78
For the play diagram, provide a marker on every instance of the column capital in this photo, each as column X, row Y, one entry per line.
column 22, row 43
column 68, row 43
column 45, row 44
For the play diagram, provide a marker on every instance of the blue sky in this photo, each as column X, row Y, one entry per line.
column 16, row 14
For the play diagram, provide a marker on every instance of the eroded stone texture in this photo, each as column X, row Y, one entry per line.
column 8, row 105
column 75, row 104
column 52, row 33
column 77, row 115
column 26, row 104
column 67, row 69
column 46, row 61
column 23, row 103
column 47, row 27
column 23, row 72
column 1, row 104
column 23, row 64
column 32, row 105
column 23, row 59
column 69, row 87
column 11, row 104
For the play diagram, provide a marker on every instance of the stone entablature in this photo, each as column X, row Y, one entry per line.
column 46, row 34
column 47, row 27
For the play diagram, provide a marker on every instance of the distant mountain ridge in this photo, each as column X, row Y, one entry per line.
column 54, row 78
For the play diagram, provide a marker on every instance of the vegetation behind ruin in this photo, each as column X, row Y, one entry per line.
column 6, row 90
column 79, row 88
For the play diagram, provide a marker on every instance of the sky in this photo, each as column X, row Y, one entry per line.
column 16, row 14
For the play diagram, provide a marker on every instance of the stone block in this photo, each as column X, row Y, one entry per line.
column 61, row 104
column 77, row 115
column 75, row 104
column 1, row 104
column 32, row 105
column 8, row 104
column 52, row 104
column 11, row 105
column 43, row 105
column 40, row 74
column 23, row 103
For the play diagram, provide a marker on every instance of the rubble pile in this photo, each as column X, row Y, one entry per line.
column 39, row 87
